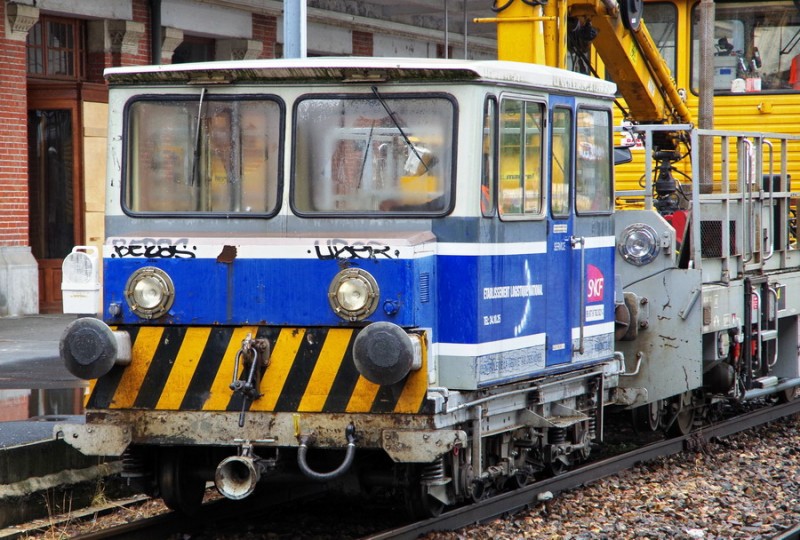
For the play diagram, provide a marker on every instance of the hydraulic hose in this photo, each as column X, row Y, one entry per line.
column 350, row 432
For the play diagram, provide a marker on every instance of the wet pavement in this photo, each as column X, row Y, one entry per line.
column 29, row 356
column 22, row 432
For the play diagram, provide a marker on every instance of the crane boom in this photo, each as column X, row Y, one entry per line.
column 537, row 31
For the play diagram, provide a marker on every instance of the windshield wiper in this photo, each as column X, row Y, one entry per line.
column 197, row 137
column 391, row 113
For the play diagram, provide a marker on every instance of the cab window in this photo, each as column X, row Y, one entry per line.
column 561, row 162
column 593, row 162
column 212, row 156
column 520, row 164
column 379, row 153
column 489, row 157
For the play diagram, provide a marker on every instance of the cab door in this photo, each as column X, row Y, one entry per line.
column 562, row 300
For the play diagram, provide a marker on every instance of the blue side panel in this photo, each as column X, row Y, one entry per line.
column 270, row 291
column 457, row 284
column 490, row 298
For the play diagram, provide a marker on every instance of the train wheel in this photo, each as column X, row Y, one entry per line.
column 647, row 418
column 684, row 414
column 519, row 479
column 419, row 504
column 790, row 394
column 181, row 489
column 559, row 466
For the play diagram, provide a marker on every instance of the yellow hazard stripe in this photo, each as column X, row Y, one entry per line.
column 328, row 364
column 416, row 387
column 363, row 396
column 281, row 361
column 185, row 364
column 220, row 388
column 309, row 371
column 143, row 350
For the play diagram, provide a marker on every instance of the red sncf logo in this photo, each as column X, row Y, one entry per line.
column 595, row 284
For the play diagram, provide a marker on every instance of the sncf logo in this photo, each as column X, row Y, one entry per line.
column 596, row 283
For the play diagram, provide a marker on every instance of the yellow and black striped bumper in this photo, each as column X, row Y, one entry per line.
column 191, row 369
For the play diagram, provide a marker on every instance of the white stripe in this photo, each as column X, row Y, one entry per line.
column 478, row 249
column 600, row 242
column 593, row 330
column 490, row 347
column 302, row 248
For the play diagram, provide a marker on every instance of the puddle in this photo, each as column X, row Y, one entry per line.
column 41, row 404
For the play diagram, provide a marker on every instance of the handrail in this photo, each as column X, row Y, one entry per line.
column 581, row 241
column 771, row 222
column 773, row 314
column 748, row 216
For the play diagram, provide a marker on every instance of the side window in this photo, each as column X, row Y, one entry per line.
column 592, row 162
column 489, row 157
column 561, row 162
column 520, row 176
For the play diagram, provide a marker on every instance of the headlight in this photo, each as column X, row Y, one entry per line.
column 353, row 294
column 149, row 292
column 639, row 244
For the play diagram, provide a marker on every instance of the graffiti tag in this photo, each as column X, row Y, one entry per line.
column 153, row 248
column 339, row 250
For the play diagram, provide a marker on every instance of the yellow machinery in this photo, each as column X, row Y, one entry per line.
column 537, row 32
column 755, row 57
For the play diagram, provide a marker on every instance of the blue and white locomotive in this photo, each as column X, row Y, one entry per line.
column 391, row 270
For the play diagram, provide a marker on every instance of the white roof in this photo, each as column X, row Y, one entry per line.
column 363, row 69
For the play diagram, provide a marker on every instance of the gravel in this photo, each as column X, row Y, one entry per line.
column 745, row 486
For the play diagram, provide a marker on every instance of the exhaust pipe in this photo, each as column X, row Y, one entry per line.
column 236, row 476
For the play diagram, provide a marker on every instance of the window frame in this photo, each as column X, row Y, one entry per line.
column 609, row 161
column 195, row 99
column 544, row 149
column 489, row 162
column 694, row 69
column 570, row 153
column 394, row 95
column 77, row 52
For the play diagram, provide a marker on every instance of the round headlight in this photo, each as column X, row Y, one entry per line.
column 149, row 292
column 353, row 294
column 639, row 244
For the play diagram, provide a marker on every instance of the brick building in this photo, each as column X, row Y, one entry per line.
column 53, row 99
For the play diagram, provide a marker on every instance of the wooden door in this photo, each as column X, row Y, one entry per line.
column 54, row 188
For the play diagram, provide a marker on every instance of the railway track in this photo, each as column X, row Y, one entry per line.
column 224, row 514
column 524, row 498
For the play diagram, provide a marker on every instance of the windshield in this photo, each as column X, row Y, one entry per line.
column 226, row 164
column 756, row 47
column 373, row 154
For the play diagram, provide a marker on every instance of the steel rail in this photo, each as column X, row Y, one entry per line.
column 526, row 498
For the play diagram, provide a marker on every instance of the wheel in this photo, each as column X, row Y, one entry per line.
column 790, row 394
column 419, row 504
column 520, row 479
column 647, row 418
column 181, row 489
column 684, row 416
column 559, row 466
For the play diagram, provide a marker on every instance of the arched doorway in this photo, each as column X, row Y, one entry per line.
column 55, row 54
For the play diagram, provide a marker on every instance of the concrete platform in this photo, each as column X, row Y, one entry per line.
column 38, row 473
column 29, row 357
column 43, row 475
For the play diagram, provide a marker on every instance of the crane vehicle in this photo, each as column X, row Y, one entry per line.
column 411, row 274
